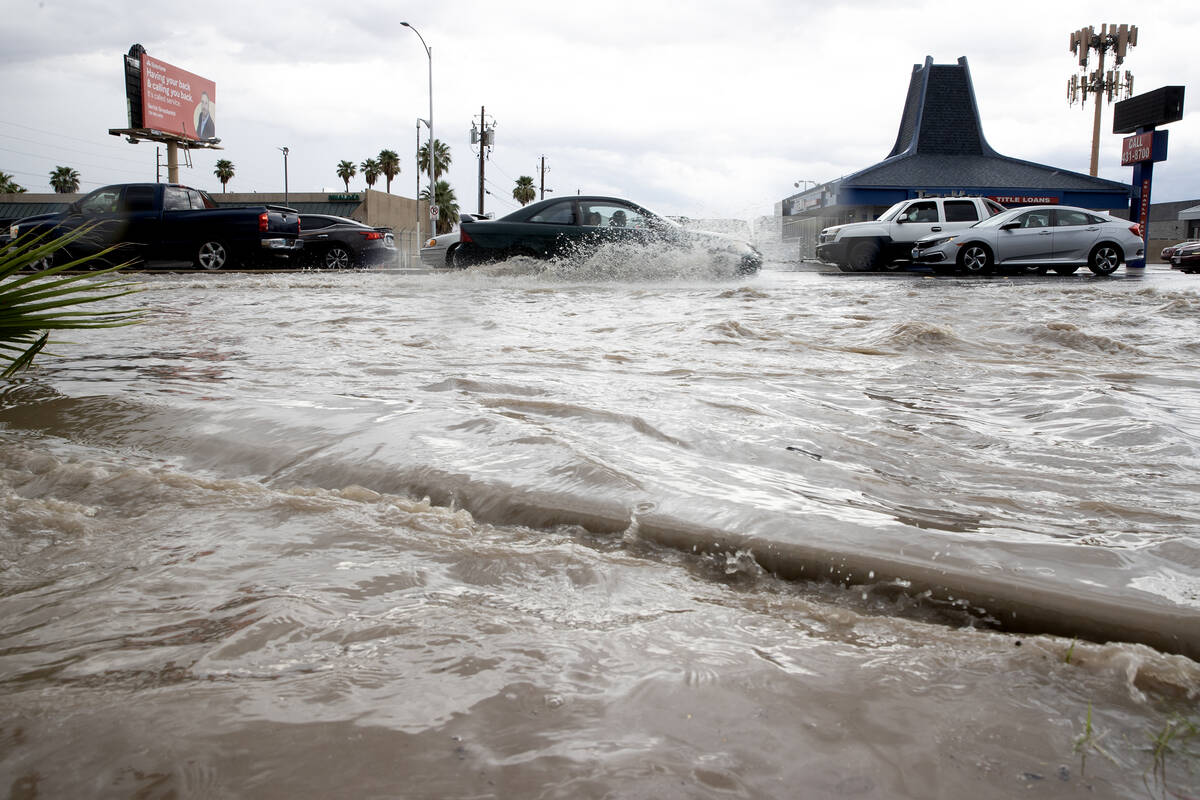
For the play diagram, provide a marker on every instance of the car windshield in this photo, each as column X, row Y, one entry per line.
column 893, row 211
column 997, row 219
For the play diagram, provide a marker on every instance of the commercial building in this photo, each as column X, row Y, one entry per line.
column 940, row 150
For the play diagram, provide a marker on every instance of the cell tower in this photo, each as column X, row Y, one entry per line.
column 1100, row 83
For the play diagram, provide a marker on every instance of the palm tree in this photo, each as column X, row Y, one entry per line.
column 8, row 185
column 33, row 305
column 441, row 158
column 224, row 172
column 64, row 180
column 447, row 205
column 371, row 171
column 389, row 165
column 524, row 192
column 346, row 170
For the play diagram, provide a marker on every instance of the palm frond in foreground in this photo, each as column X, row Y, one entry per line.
column 33, row 303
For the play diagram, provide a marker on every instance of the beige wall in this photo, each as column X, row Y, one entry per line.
column 378, row 209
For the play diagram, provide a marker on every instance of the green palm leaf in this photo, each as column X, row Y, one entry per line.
column 33, row 303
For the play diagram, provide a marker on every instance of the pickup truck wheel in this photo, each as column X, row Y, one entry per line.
column 338, row 257
column 1104, row 259
column 863, row 257
column 212, row 255
column 975, row 259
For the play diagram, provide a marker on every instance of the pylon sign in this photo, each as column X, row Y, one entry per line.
column 1146, row 147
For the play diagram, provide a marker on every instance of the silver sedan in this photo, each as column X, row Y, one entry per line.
column 438, row 252
column 1032, row 239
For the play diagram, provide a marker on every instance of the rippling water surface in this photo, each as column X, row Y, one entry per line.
column 630, row 528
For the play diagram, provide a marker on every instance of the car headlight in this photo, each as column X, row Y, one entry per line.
column 12, row 231
column 927, row 243
column 431, row 243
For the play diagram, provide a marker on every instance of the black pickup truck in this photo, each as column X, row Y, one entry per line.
column 168, row 225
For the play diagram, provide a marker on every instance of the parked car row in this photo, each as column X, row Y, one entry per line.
column 174, row 226
column 975, row 235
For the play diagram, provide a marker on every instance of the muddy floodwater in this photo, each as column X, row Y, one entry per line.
column 631, row 528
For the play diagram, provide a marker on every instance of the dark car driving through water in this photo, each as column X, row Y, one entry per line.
column 570, row 226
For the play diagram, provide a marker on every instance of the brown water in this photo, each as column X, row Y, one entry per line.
column 629, row 529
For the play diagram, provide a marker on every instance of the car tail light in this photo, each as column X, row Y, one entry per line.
column 371, row 235
column 262, row 222
column 464, row 237
column 1136, row 230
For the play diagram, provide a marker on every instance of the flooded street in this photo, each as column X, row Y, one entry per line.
column 629, row 528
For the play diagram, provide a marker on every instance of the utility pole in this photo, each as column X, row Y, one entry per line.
column 542, row 171
column 484, row 136
column 1100, row 83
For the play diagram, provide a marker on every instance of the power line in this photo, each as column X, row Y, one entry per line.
column 106, row 155
column 77, row 163
column 48, row 133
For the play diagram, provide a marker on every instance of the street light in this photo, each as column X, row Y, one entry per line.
column 429, row 123
column 417, row 196
column 284, row 150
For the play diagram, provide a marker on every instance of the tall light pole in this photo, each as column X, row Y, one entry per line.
column 284, row 150
column 429, row 122
column 417, row 172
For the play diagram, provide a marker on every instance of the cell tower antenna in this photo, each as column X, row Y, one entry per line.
column 1100, row 83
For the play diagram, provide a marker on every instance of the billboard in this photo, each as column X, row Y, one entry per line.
column 176, row 101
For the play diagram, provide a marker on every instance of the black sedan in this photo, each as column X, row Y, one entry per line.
column 568, row 226
column 341, row 243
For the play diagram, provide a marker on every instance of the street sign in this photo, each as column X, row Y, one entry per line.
column 433, row 212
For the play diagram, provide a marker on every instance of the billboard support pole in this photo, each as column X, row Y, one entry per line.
column 172, row 162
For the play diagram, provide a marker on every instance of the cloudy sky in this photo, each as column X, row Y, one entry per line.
column 705, row 109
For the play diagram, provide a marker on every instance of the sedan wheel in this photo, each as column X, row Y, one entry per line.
column 212, row 256
column 975, row 259
column 1105, row 259
column 338, row 258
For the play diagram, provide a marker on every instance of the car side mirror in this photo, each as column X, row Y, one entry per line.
column 1008, row 226
column 901, row 220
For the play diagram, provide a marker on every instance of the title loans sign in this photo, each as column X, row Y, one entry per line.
column 176, row 101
